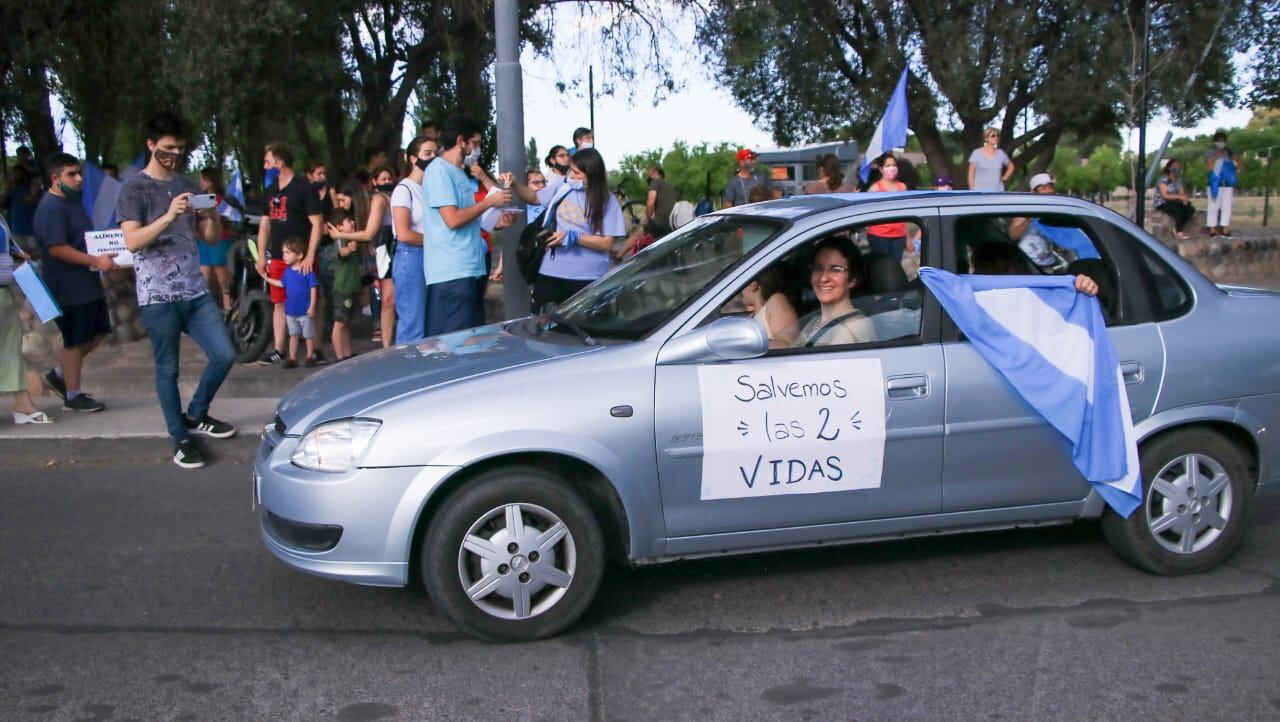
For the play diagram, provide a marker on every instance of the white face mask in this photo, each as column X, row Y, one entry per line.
column 1219, row 144
column 471, row 158
column 586, row 144
column 575, row 184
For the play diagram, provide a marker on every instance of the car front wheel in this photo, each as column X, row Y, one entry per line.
column 514, row 555
column 1195, row 505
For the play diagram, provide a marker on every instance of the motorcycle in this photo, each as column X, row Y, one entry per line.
column 249, row 317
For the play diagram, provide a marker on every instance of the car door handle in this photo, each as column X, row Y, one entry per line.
column 1132, row 372
column 910, row 386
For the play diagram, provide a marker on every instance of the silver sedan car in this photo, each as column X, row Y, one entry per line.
column 769, row 376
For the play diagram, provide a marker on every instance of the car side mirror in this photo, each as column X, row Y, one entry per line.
column 727, row 339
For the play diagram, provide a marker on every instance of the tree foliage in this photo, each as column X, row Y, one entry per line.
column 687, row 168
column 1037, row 71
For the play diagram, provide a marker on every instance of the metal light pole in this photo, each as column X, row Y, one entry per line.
column 591, row 98
column 511, row 147
column 1141, row 211
column 1266, row 189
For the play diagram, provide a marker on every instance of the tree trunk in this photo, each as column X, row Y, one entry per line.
column 37, row 119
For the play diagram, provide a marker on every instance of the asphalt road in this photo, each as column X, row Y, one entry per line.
column 144, row 592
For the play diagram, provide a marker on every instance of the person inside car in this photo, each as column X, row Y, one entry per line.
column 1004, row 259
column 834, row 273
column 769, row 306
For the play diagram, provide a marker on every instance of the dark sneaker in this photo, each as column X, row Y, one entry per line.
column 311, row 362
column 210, row 426
column 271, row 358
column 56, row 384
column 187, row 455
column 84, row 403
column 318, row 359
column 291, row 363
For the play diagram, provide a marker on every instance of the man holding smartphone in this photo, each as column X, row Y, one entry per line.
column 163, row 231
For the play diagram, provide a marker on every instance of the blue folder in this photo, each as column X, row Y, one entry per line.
column 36, row 292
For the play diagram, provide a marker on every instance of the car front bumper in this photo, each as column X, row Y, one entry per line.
column 356, row 526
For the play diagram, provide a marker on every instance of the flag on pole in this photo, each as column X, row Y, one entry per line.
column 1050, row 343
column 134, row 168
column 99, row 196
column 232, row 211
column 892, row 131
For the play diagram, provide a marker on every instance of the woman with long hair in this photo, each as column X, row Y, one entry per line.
column 588, row 219
column 830, row 177
column 408, row 209
column 372, row 214
column 213, row 256
column 557, row 161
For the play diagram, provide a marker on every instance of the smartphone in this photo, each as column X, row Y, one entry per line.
column 203, row 201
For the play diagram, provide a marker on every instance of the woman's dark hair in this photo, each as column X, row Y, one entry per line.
column 384, row 169
column 415, row 145
column 551, row 154
column 842, row 244
column 214, row 176
column 354, row 187
column 588, row 161
column 771, row 281
column 830, row 165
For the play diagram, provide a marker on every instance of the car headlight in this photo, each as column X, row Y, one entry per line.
column 335, row 446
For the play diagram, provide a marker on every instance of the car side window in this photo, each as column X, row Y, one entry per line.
column 1048, row 244
column 854, row 286
column 1169, row 297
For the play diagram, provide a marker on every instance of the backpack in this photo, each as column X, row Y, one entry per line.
column 681, row 213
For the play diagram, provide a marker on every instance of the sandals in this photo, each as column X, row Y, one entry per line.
column 35, row 417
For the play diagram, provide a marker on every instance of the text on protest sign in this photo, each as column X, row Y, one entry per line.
column 799, row 427
column 97, row 243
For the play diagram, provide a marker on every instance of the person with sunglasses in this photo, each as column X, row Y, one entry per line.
column 989, row 166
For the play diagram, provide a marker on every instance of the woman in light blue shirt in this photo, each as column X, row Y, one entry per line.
column 989, row 167
column 588, row 220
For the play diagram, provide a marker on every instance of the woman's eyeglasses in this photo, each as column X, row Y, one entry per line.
column 818, row 269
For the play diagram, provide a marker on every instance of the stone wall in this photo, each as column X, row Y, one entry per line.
column 1246, row 261
column 42, row 342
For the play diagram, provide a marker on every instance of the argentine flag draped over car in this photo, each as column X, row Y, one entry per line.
column 1050, row 343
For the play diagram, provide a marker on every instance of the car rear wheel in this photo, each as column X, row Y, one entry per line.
column 514, row 555
column 1196, row 495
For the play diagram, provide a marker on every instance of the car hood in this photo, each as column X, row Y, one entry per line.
column 349, row 388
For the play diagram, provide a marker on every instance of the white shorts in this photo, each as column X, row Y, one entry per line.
column 303, row 326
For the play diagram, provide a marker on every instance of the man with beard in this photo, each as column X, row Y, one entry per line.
column 163, row 230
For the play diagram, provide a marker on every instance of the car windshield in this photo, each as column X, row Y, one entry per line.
column 641, row 294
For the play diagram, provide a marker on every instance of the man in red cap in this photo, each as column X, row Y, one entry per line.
column 740, row 185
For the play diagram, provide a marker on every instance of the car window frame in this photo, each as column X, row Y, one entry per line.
column 926, row 217
column 1100, row 233
column 1142, row 295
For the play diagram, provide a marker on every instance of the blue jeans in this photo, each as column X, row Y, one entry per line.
column 455, row 305
column 410, row 277
column 200, row 319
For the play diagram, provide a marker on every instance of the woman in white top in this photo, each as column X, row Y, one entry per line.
column 835, row 272
column 989, row 167
column 770, row 307
column 408, row 213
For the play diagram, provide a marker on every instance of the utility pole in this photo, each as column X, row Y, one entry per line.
column 1266, row 188
column 1141, row 211
column 591, row 98
column 511, row 147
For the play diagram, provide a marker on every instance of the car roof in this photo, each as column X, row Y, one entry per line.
column 795, row 207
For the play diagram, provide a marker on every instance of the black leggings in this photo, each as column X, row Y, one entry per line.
column 550, row 289
column 1180, row 211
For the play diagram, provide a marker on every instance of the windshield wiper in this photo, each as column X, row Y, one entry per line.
column 551, row 314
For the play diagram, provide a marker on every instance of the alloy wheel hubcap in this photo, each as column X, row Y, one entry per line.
column 517, row 561
column 1189, row 504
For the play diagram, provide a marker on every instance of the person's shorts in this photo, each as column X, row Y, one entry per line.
column 83, row 322
column 275, row 271
column 214, row 254
column 303, row 326
column 343, row 305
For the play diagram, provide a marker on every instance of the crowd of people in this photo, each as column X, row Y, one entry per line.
column 404, row 240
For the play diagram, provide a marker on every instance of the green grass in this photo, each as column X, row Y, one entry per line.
column 1246, row 212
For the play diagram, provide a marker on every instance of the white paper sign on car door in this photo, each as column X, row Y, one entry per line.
column 791, row 427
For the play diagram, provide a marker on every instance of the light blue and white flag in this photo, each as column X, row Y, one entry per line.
column 235, row 190
column 1051, row 344
column 892, row 131
column 99, row 196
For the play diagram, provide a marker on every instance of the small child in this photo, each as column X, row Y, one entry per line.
column 299, row 301
column 347, row 284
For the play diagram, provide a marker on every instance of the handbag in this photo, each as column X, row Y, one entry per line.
column 534, row 239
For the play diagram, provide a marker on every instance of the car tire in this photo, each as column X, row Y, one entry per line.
column 515, row 577
column 1175, row 531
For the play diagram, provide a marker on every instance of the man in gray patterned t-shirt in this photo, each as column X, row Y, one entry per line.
column 163, row 230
